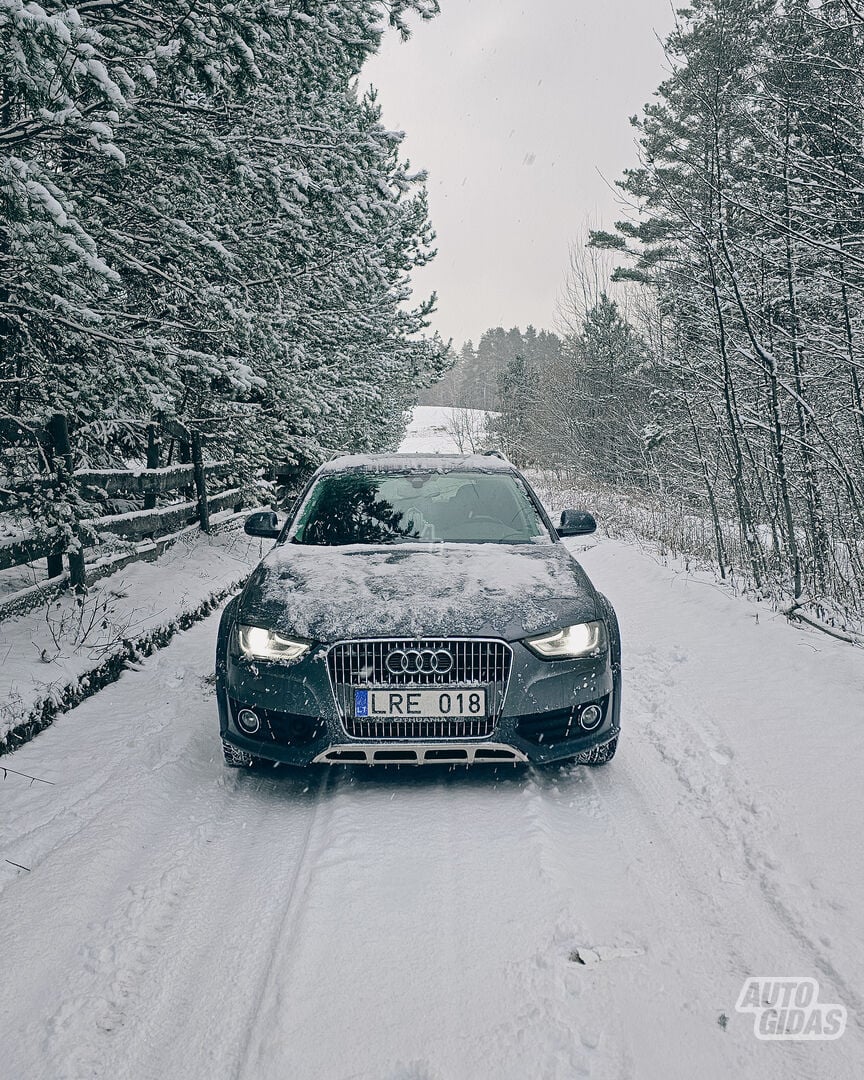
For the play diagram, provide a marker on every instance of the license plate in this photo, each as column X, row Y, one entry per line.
column 391, row 704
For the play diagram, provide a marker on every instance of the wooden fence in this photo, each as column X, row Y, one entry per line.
column 203, row 486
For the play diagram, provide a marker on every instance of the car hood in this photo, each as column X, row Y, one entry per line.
column 423, row 590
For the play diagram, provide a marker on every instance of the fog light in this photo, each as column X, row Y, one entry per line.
column 248, row 721
column 590, row 717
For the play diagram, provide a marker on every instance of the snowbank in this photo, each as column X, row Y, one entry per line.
column 53, row 657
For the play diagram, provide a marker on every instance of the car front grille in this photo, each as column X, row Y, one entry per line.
column 356, row 665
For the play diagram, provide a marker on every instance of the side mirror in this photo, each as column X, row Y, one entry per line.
column 264, row 523
column 576, row 523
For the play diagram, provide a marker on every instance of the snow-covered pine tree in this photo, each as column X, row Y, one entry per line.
column 200, row 216
column 750, row 231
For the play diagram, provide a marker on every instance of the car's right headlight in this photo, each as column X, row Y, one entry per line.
column 256, row 643
column 570, row 642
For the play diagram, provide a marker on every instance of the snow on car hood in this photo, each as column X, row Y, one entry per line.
column 423, row 590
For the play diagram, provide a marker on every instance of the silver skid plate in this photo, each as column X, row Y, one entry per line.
column 400, row 753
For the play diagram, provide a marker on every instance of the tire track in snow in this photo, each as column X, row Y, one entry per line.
column 133, row 963
column 569, row 825
column 724, row 801
column 145, row 871
column 116, row 959
column 643, row 895
column 412, row 950
column 313, row 847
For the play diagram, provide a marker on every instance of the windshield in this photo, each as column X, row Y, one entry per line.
column 415, row 507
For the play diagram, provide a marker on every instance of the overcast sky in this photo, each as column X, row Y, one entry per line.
column 516, row 108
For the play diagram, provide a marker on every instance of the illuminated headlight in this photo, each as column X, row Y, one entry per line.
column 570, row 642
column 259, row 644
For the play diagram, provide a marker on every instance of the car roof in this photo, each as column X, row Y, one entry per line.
column 441, row 463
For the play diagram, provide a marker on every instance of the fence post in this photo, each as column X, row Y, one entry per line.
column 200, row 482
column 184, row 457
column 58, row 428
column 46, row 461
column 154, row 453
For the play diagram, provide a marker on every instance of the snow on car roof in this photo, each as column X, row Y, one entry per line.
column 442, row 463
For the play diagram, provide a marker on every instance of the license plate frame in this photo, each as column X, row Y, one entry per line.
column 420, row 703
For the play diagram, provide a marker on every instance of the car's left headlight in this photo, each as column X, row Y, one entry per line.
column 570, row 642
column 256, row 643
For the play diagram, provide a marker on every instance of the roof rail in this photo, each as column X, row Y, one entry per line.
column 495, row 453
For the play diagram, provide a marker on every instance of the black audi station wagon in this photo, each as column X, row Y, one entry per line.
column 418, row 610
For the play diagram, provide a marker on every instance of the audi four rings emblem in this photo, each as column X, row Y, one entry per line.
column 419, row 661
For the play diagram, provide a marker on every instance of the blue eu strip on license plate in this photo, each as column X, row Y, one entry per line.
column 361, row 702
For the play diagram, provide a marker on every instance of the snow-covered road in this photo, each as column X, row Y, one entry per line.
column 182, row 921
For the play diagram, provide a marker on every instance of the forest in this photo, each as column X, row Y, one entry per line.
column 203, row 220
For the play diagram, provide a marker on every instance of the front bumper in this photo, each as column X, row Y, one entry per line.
column 301, row 724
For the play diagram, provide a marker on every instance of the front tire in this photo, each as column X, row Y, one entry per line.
column 601, row 755
column 235, row 758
